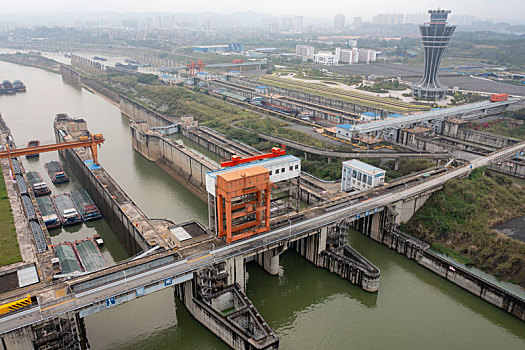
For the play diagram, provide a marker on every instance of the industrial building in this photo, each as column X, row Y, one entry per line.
column 369, row 116
column 344, row 131
column 435, row 37
column 232, row 47
column 242, row 197
column 361, row 176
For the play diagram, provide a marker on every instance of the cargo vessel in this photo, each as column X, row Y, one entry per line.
column 56, row 172
column 21, row 184
column 127, row 66
column 98, row 58
column 67, row 258
column 33, row 143
column 19, row 86
column 66, row 210
column 49, row 214
column 89, row 255
column 39, row 187
column 8, row 87
column 85, row 205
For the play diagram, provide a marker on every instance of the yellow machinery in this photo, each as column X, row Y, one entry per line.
column 15, row 305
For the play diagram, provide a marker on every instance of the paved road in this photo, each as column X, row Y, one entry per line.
column 75, row 301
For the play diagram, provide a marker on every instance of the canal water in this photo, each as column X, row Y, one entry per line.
column 308, row 307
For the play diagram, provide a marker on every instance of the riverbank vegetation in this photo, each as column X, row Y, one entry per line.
column 458, row 221
column 509, row 127
column 9, row 250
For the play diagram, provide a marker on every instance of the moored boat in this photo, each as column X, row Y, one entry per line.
column 49, row 214
column 33, row 143
column 8, row 87
column 66, row 209
column 38, row 185
column 56, row 172
column 85, row 205
column 19, row 86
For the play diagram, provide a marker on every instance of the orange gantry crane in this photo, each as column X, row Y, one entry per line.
column 90, row 142
column 236, row 159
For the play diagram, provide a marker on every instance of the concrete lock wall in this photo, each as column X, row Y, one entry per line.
column 510, row 167
column 453, row 130
column 214, row 147
column 125, row 230
column 418, row 251
column 70, row 75
column 138, row 112
column 205, row 315
column 186, row 167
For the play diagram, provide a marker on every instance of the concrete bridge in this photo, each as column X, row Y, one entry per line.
column 209, row 276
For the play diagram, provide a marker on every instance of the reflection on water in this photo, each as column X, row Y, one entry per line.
column 308, row 307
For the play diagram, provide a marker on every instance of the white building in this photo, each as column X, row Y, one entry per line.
column 344, row 131
column 349, row 56
column 361, row 176
column 367, row 56
column 370, row 116
column 326, row 59
column 307, row 52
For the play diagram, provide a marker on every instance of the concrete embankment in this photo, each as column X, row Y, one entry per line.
column 138, row 112
column 420, row 252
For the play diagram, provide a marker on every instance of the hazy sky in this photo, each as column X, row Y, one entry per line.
column 500, row 9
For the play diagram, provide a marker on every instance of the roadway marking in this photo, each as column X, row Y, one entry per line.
column 201, row 257
column 62, row 303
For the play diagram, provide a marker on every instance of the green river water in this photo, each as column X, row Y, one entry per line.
column 308, row 307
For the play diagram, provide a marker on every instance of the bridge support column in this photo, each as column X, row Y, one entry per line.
column 396, row 165
column 269, row 260
column 236, row 270
column 375, row 228
column 311, row 246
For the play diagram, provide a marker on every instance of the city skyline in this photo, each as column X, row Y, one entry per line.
column 483, row 9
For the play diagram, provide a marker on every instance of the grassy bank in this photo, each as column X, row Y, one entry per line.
column 9, row 250
column 458, row 221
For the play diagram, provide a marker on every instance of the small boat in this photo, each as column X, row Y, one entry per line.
column 49, row 214
column 97, row 58
column 33, row 143
column 67, row 55
column 56, row 172
column 98, row 239
column 66, row 210
column 19, row 86
column 8, row 87
column 38, row 185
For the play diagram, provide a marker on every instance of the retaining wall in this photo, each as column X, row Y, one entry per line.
column 188, row 168
column 138, row 112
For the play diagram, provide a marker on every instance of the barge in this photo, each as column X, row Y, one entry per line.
column 67, row 258
column 66, row 209
column 8, row 87
column 85, row 205
column 33, row 143
column 19, row 86
column 39, row 187
column 48, row 212
column 56, row 172
column 89, row 255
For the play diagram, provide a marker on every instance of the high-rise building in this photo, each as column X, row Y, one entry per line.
column 435, row 36
column 388, row 19
column 339, row 22
column 358, row 21
column 298, row 23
